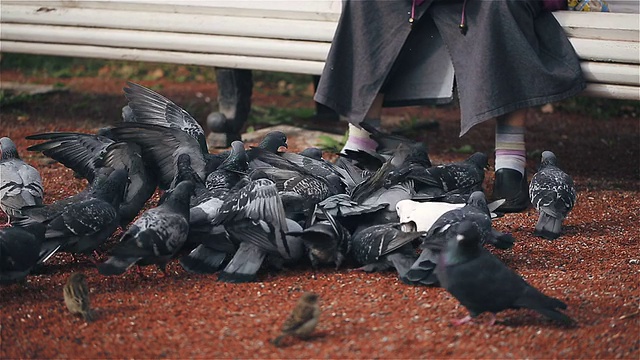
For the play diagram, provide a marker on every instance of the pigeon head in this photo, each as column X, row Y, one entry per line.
column 273, row 141
column 478, row 199
column 548, row 158
column 479, row 159
column 464, row 242
column 237, row 160
column 8, row 149
column 420, row 155
column 467, row 234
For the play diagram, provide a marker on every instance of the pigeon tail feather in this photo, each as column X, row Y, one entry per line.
column 203, row 260
column 116, row 265
column 548, row 226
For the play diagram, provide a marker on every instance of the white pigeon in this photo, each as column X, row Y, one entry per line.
column 420, row 216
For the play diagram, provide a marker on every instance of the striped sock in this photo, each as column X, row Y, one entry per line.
column 510, row 148
column 359, row 139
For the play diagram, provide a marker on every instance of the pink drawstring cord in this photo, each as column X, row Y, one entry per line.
column 463, row 25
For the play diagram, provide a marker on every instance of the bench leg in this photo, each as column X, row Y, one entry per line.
column 234, row 103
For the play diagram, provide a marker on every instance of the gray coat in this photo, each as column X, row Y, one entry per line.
column 513, row 56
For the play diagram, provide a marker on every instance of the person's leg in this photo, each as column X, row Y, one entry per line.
column 358, row 138
column 510, row 162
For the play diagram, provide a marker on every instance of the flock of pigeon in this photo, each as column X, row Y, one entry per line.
column 233, row 212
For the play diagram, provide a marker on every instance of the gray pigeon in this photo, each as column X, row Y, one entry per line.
column 20, row 183
column 327, row 241
column 254, row 217
column 392, row 172
column 19, row 251
column 388, row 143
column 148, row 107
column 384, row 246
column 464, row 176
column 477, row 212
column 156, row 236
column 44, row 213
column 553, row 194
column 482, row 283
column 82, row 227
column 161, row 147
column 86, row 153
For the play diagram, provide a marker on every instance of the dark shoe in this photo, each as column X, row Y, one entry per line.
column 511, row 185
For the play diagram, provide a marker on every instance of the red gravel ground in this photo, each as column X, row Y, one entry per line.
column 593, row 267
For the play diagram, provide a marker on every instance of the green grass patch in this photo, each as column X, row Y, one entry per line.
column 270, row 116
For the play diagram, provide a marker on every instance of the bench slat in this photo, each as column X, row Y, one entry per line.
column 230, row 45
column 162, row 56
column 608, row 73
column 174, row 22
column 603, row 26
column 606, row 50
column 611, row 91
column 325, row 10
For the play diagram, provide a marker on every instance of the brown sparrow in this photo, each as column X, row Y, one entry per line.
column 302, row 320
column 76, row 296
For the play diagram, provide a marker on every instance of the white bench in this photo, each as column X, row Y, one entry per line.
column 285, row 36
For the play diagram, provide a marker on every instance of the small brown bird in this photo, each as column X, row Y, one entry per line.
column 76, row 296
column 303, row 318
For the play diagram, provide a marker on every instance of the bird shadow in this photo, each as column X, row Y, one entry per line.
column 293, row 340
column 525, row 318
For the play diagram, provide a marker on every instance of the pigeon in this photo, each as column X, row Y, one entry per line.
column 234, row 167
column 327, row 241
column 254, row 217
column 203, row 259
column 303, row 319
column 44, row 213
column 388, row 143
column 553, row 194
column 420, row 216
column 149, row 107
column 347, row 212
column 465, row 176
column 161, row 147
column 301, row 190
column 482, row 283
column 156, row 236
column 271, row 143
column 184, row 172
column 392, row 172
column 19, row 251
column 83, row 226
column 76, row 296
column 475, row 211
column 384, row 246
column 20, row 183
column 229, row 177
column 87, row 153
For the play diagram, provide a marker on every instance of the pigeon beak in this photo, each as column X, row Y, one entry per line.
column 459, row 237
